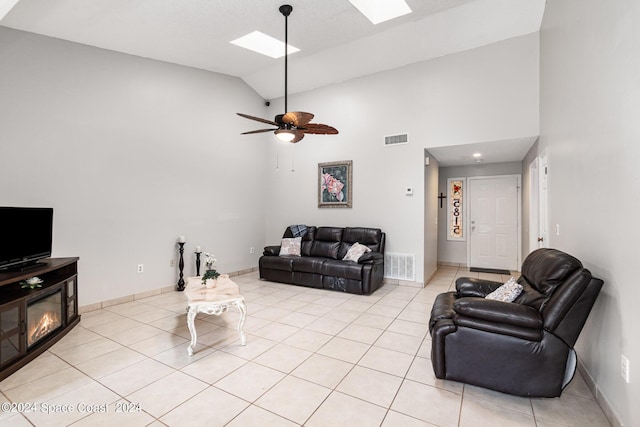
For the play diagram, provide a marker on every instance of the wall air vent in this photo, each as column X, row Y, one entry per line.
column 399, row 266
column 402, row 138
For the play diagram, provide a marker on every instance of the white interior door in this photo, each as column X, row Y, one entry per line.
column 494, row 218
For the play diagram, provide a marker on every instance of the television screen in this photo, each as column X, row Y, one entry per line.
column 25, row 235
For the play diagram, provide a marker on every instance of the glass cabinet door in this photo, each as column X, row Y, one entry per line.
column 72, row 302
column 11, row 322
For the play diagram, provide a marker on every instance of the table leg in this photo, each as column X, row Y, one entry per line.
column 243, row 315
column 191, row 317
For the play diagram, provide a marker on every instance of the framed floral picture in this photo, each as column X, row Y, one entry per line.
column 334, row 184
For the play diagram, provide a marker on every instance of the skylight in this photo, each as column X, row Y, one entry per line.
column 264, row 44
column 6, row 6
column 378, row 11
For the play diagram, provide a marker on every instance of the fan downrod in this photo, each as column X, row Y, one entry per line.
column 286, row 9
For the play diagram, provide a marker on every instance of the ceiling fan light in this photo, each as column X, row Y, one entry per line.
column 285, row 135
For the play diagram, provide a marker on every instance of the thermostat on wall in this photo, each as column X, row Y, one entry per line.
column 409, row 191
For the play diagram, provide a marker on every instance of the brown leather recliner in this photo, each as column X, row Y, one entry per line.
column 525, row 347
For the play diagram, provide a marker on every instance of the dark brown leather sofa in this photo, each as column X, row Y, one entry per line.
column 320, row 264
column 525, row 347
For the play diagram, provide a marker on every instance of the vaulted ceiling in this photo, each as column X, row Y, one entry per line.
column 337, row 42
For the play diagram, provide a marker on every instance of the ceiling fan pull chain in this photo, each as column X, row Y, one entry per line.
column 277, row 157
column 293, row 155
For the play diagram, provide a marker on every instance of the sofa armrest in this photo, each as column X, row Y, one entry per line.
column 472, row 287
column 371, row 258
column 499, row 312
column 271, row 251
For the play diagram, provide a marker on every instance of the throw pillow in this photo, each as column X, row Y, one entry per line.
column 355, row 252
column 507, row 292
column 290, row 246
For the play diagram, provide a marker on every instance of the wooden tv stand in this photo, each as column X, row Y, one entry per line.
column 19, row 308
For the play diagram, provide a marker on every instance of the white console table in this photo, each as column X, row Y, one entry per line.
column 212, row 301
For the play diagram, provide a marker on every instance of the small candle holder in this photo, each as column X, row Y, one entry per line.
column 198, row 262
column 180, row 286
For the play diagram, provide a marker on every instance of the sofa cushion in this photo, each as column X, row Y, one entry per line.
column 327, row 242
column 372, row 237
column 309, row 264
column 339, row 268
column 284, row 263
column 307, row 241
column 329, row 234
column 325, row 249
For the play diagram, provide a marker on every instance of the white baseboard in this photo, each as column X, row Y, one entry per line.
column 152, row 292
column 600, row 398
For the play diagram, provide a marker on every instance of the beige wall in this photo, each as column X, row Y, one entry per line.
column 130, row 153
column 484, row 94
column 589, row 103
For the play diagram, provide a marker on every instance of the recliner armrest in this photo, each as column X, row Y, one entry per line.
column 371, row 258
column 498, row 311
column 472, row 287
column 271, row 250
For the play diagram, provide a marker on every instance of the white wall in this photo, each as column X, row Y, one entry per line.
column 455, row 252
column 526, row 199
column 484, row 94
column 589, row 102
column 431, row 222
column 130, row 153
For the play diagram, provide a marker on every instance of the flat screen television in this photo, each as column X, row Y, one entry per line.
column 25, row 236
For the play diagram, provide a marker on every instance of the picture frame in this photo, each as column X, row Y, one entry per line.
column 335, row 189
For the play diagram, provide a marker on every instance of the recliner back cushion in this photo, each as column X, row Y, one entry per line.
column 544, row 269
column 371, row 237
column 307, row 241
column 565, row 296
column 529, row 295
column 327, row 242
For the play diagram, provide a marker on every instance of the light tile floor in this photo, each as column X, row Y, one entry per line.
column 313, row 357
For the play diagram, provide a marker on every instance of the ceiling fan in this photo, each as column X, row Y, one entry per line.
column 291, row 126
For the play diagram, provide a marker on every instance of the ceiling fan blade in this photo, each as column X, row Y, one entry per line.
column 298, row 137
column 257, row 119
column 297, row 118
column 319, row 129
column 257, row 131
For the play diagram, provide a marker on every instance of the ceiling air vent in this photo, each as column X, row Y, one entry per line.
column 402, row 138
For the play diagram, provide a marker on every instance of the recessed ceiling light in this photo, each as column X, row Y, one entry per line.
column 264, row 44
column 378, row 11
column 477, row 155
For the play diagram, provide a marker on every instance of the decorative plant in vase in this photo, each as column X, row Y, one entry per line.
column 31, row 283
column 210, row 273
